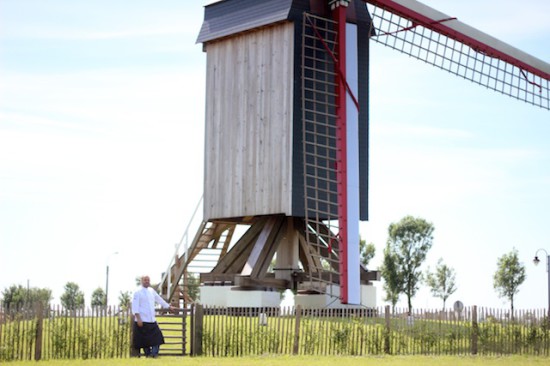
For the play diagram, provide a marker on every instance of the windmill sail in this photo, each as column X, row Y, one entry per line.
column 443, row 41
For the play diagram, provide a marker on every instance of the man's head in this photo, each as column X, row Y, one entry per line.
column 145, row 281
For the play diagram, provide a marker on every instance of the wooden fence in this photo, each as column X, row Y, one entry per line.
column 55, row 333
column 239, row 332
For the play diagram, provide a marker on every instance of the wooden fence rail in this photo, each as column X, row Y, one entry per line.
column 238, row 332
column 55, row 333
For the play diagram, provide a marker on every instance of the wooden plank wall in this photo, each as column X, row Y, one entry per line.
column 248, row 147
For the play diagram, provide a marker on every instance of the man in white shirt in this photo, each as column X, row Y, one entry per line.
column 147, row 334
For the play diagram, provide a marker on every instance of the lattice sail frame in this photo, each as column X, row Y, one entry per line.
column 320, row 153
column 442, row 41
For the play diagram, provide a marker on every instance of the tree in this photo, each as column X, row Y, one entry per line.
column 40, row 295
column 366, row 252
column 393, row 283
column 17, row 296
column 124, row 299
column 13, row 297
column 509, row 276
column 72, row 298
column 193, row 284
column 98, row 297
column 442, row 282
column 409, row 242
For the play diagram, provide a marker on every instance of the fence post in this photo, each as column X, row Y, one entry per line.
column 39, row 308
column 475, row 330
column 192, row 330
column 197, row 331
column 296, row 347
column 387, row 348
column 183, row 330
column 134, row 352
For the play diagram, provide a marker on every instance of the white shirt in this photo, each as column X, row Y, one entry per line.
column 143, row 304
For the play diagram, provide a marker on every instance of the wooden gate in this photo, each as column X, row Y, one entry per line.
column 175, row 331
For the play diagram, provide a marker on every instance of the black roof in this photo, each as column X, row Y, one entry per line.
column 228, row 17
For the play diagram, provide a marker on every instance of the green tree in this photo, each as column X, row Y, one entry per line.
column 124, row 299
column 193, row 283
column 98, row 297
column 409, row 242
column 366, row 252
column 17, row 296
column 40, row 295
column 393, row 282
column 442, row 282
column 72, row 298
column 13, row 297
column 509, row 276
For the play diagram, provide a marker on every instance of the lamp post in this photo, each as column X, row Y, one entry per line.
column 107, row 279
column 536, row 260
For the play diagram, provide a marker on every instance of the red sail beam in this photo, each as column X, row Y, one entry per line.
column 430, row 18
column 339, row 16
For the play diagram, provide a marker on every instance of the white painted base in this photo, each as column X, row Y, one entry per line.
column 224, row 296
column 368, row 296
column 214, row 295
column 254, row 299
column 368, row 299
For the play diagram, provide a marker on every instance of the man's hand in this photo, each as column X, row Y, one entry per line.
column 173, row 309
column 138, row 321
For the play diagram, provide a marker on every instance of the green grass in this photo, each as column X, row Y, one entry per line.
column 302, row 361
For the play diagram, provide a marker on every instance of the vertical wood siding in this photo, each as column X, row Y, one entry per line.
column 248, row 147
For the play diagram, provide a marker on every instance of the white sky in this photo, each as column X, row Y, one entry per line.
column 101, row 146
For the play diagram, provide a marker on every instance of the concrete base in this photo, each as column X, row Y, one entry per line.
column 368, row 296
column 214, row 295
column 321, row 301
column 228, row 296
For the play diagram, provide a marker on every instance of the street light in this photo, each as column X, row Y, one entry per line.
column 536, row 260
column 107, row 279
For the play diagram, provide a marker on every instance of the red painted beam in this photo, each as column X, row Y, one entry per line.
column 339, row 16
column 440, row 26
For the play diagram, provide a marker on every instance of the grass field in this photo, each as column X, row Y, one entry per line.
column 302, row 361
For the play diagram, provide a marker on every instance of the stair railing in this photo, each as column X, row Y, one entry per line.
column 167, row 276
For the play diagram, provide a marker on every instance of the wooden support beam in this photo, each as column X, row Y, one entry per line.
column 262, row 244
column 234, row 260
column 308, row 261
column 366, row 276
column 231, row 279
column 227, row 241
column 321, row 250
column 268, row 251
column 219, row 229
column 326, row 276
column 266, row 283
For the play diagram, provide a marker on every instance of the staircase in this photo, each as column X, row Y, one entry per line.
column 200, row 255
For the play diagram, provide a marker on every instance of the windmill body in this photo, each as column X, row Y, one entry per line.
column 286, row 139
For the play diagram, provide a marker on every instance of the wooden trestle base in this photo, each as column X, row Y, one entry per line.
column 275, row 253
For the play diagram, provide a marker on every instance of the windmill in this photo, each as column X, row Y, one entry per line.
column 286, row 142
